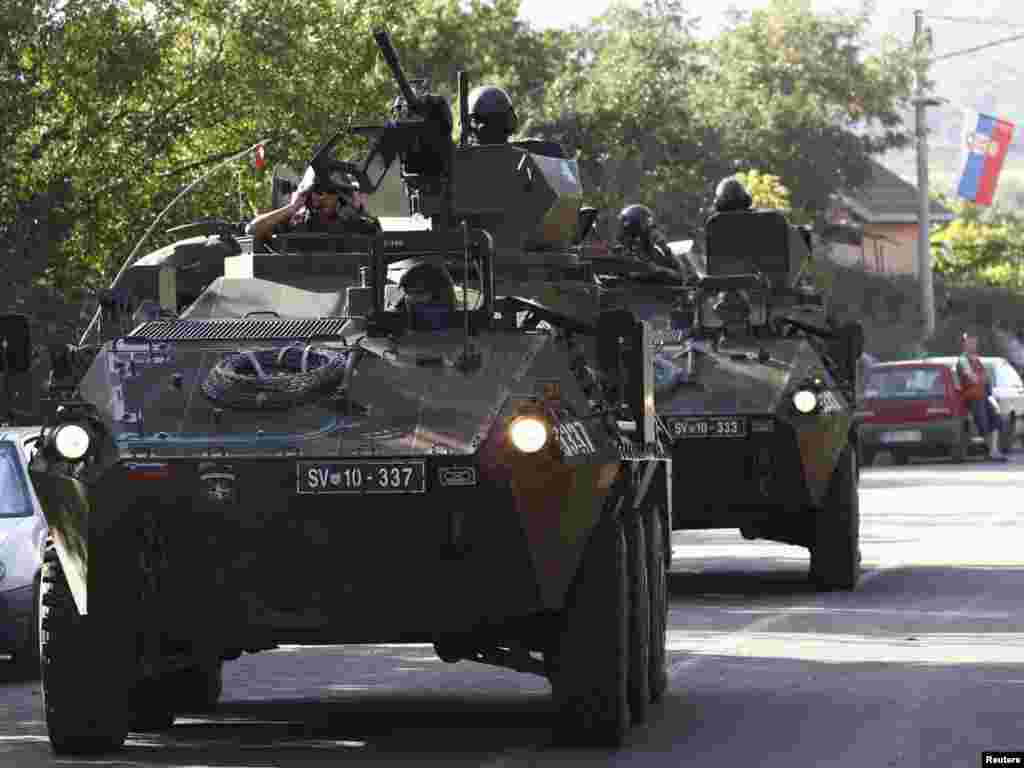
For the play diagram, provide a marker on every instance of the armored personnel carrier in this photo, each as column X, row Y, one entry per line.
column 308, row 453
column 757, row 392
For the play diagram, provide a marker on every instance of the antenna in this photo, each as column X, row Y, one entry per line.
column 463, row 109
column 7, row 386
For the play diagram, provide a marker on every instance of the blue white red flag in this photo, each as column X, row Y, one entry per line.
column 986, row 140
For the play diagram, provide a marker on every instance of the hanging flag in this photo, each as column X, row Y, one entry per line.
column 986, row 140
column 260, row 157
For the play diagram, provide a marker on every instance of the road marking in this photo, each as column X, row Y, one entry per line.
column 732, row 639
column 994, row 615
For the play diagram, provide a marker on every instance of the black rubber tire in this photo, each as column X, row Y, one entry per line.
column 152, row 708
column 835, row 553
column 84, row 713
column 962, row 446
column 196, row 689
column 639, row 621
column 590, row 668
column 900, row 459
column 657, row 577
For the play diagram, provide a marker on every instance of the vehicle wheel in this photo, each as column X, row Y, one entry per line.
column 196, row 689
column 962, row 446
column 152, row 707
column 867, row 457
column 84, row 713
column 899, row 458
column 835, row 553
column 657, row 578
column 639, row 621
column 590, row 671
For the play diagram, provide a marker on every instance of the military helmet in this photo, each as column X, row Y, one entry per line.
column 492, row 118
column 731, row 195
column 635, row 221
column 425, row 282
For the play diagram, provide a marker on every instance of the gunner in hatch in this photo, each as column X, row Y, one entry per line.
column 425, row 284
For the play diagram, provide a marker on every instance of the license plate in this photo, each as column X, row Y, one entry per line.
column 709, row 426
column 319, row 477
column 907, row 436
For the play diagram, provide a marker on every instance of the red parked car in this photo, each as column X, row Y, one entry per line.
column 913, row 408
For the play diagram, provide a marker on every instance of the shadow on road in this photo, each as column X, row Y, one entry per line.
column 393, row 727
column 784, row 580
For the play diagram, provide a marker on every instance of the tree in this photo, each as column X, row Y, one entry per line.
column 796, row 94
column 622, row 104
column 112, row 107
column 981, row 245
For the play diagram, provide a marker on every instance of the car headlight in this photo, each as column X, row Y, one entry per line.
column 72, row 442
column 805, row 401
column 528, row 434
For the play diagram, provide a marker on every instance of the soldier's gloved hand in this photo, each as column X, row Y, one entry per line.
column 300, row 197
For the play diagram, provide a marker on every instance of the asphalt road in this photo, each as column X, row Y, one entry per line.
column 922, row 666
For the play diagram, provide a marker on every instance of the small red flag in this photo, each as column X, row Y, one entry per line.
column 260, row 157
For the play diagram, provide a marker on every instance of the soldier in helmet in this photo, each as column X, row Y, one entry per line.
column 492, row 118
column 326, row 202
column 640, row 236
column 425, row 283
column 731, row 195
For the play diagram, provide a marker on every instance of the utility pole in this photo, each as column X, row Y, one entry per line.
column 924, row 253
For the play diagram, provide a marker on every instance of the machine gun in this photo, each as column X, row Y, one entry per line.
column 419, row 134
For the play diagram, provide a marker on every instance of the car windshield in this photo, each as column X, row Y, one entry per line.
column 14, row 498
column 905, row 383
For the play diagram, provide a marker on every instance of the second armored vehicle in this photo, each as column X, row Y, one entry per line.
column 758, row 393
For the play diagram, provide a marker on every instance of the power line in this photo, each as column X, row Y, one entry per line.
column 978, row 20
column 976, row 48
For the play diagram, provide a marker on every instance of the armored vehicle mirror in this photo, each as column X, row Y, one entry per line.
column 15, row 344
column 587, row 220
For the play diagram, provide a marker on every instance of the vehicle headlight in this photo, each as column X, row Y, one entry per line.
column 72, row 442
column 528, row 433
column 805, row 401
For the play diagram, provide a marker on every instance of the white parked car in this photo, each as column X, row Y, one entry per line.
column 1008, row 391
column 23, row 532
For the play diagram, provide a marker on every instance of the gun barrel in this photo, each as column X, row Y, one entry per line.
column 391, row 57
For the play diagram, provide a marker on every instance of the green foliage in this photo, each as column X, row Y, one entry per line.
column 112, row 107
column 622, row 103
column 983, row 245
column 796, row 94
